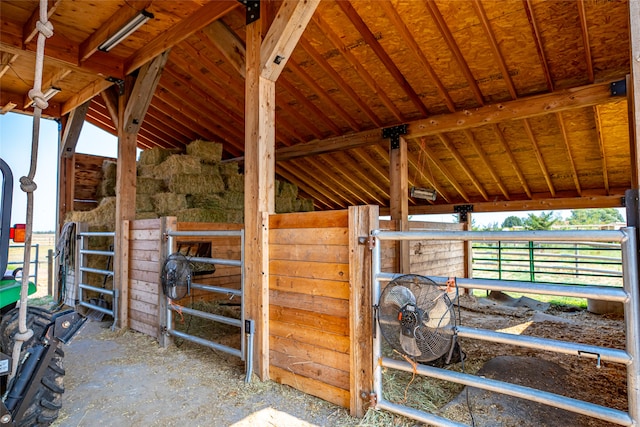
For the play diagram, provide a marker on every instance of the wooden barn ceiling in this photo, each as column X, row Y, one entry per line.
column 508, row 103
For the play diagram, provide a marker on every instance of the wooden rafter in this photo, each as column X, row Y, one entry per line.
column 6, row 59
column 199, row 19
column 350, row 171
column 357, row 168
column 483, row 156
column 381, row 174
column 304, row 121
column 585, row 39
column 443, row 169
column 324, row 180
column 410, row 41
column 310, row 106
column 463, row 165
column 339, row 81
column 535, row 31
column 72, row 128
column 437, row 17
column 572, row 164
column 322, row 94
column 538, row 154
column 326, row 172
column 486, row 26
column 85, row 94
column 228, row 43
column 51, row 80
column 362, row 72
column 29, row 29
column 392, row 68
column 319, row 200
column 603, row 154
column 512, row 159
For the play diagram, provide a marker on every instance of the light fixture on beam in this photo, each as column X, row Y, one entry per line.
column 423, row 193
column 126, row 30
column 48, row 94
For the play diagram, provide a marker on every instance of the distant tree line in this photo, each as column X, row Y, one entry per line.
column 546, row 220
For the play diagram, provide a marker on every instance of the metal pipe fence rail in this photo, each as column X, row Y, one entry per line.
column 548, row 262
column 245, row 353
column 84, row 254
column 627, row 295
column 20, row 263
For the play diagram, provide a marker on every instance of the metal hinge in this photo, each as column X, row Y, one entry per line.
column 368, row 240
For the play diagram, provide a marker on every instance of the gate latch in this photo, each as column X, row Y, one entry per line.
column 368, row 240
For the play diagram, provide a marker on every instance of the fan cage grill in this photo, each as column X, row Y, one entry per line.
column 176, row 276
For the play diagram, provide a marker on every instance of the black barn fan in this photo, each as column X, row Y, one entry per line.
column 176, row 276
column 417, row 318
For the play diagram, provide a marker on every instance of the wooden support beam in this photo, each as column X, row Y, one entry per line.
column 143, row 92
column 228, row 43
column 603, row 153
column 633, row 92
column 565, row 139
column 487, row 164
column 585, row 39
column 362, row 219
column 399, row 201
column 535, row 31
column 72, row 129
column 6, row 59
column 110, row 98
column 512, row 159
column 311, row 181
column 538, row 154
column 85, row 94
column 283, row 35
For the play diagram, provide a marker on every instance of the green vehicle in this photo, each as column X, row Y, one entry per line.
column 30, row 393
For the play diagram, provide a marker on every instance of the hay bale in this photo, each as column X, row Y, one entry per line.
column 145, row 170
column 303, row 205
column 196, row 184
column 284, row 205
column 146, row 185
column 209, row 169
column 144, row 203
column 230, row 169
column 104, row 215
column 285, row 189
column 146, row 215
column 234, row 200
column 154, row 156
column 234, row 182
column 178, row 165
column 107, row 187
column 235, row 216
column 208, row 151
column 169, row 203
column 201, row 215
column 206, row 201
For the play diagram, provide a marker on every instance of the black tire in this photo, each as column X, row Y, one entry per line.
column 46, row 402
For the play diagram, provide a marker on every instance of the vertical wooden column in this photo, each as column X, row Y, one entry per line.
column 633, row 91
column 399, row 201
column 259, row 197
column 468, row 253
column 362, row 219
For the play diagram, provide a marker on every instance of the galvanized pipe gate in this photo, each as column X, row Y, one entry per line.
column 245, row 353
column 628, row 296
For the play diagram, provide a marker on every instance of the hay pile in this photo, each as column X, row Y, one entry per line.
column 194, row 187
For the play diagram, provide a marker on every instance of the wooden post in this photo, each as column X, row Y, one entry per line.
column 399, row 201
column 362, row 219
column 468, row 253
column 633, row 91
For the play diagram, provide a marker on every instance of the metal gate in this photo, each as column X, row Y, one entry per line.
column 627, row 295
column 84, row 254
column 246, row 327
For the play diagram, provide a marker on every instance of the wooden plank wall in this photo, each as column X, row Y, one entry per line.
column 309, row 303
column 428, row 258
column 145, row 290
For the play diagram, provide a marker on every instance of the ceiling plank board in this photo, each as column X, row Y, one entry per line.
column 361, row 71
column 202, row 17
column 572, row 163
column 585, row 39
column 410, row 41
column 283, row 35
column 539, row 158
column 535, row 31
column 324, row 64
column 370, row 39
column 437, row 17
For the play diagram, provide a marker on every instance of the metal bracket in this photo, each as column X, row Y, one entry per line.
column 393, row 134
column 253, row 10
column 119, row 83
column 463, row 210
column 618, row 88
column 369, row 241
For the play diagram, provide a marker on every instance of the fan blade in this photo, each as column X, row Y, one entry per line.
column 409, row 345
column 439, row 315
column 400, row 296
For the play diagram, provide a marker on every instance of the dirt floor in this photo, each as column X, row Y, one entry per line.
column 126, row 379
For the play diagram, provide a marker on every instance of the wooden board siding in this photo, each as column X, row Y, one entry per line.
column 428, row 258
column 309, row 341
column 145, row 290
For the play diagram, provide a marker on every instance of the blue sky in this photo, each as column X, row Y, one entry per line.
column 15, row 149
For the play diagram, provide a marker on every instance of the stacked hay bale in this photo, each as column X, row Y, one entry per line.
column 194, row 187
